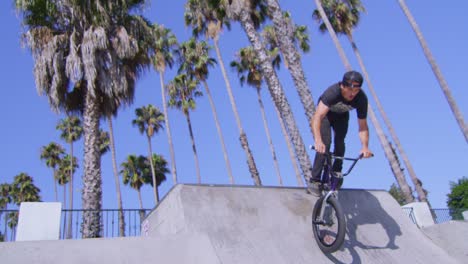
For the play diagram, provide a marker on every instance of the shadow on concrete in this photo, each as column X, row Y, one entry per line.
column 364, row 215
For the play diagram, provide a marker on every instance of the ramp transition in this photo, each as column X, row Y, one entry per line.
column 248, row 224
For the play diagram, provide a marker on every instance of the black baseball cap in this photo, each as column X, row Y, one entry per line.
column 351, row 77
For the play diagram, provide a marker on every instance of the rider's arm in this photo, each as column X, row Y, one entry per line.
column 364, row 137
column 320, row 114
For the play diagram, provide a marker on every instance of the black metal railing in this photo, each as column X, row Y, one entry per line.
column 410, row 213
column 110, row 223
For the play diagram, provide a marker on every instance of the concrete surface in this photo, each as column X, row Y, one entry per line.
column 273, row 225
column 422, row 213
column 451, row 236
column 244, row 224
column 180, row 248
column 38, row 221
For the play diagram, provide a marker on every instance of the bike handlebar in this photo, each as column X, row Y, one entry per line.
column 340, row 157
column 355, row 160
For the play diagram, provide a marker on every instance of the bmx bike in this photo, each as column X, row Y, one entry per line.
column 328, row 219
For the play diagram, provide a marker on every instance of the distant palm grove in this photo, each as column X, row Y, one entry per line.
column 88, row 56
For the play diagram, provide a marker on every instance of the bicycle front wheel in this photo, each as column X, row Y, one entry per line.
column 329, row 230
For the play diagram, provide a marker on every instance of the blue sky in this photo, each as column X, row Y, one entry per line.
column 398, row 70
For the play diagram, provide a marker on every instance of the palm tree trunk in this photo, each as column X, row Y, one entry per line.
column 194, row 149
column 399, row 176
column 285, row 34
column 277, row 93
column 416, row 182
column 70, row 202
column 270, row 142
column 242, row 135
column 153, row 175
column 435, row 68
column 300, row 183
column 116, row 178
column 92, row 181
column 332, row 33
column 140, row 200
column 168, row 129
column 68, row 234
column 55, row 185
column 220, row 133
column 64, row 202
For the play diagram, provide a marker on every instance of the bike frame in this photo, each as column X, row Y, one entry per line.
column 332, row 180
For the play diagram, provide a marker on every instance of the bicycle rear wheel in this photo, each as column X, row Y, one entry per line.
column 329, row 232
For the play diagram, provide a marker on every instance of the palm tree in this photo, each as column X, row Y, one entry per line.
column 71, row 131
column 163, row 45
column 241, row 11
column 116, row 177
column 385, row 144
column 5, row 196
column 24, row 190
column 104, row 142
column 99, row 49
column 63, row 177
column 52, row 154
column 160, row 169
column 5, row 199
column 12, row 223
column 248, row 69
column 208, row 19
column 285, row 31
column 132, row 174
column 437, row 72
column 344, row 16
column 301, row 39
column 149, row 121
column 182, row 93
column 195, row 60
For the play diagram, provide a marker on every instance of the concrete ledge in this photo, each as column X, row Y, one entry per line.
column 39, row 221
column 180, row 248
column 422, row 214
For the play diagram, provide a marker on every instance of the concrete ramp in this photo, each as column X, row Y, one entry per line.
column 273, row 225
column 451, row 236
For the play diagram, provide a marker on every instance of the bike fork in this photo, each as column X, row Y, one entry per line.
column 324, row 203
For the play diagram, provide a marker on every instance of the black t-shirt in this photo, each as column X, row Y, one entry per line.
column 336, row 103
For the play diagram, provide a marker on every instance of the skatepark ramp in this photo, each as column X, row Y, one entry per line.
column 245, row 224
column 273, row 225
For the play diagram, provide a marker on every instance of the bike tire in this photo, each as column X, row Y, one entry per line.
column 320, row 235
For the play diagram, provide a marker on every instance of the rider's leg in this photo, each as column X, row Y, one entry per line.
column 340, row 129
column 319, row 160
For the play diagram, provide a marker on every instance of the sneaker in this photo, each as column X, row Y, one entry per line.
column 339, row 176
column 314, row 188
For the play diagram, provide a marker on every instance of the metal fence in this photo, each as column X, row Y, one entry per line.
column 134, row 217
column 109, row 223
column 445, row 215
column 410, row 213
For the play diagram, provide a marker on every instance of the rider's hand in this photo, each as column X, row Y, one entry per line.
column 366, row 153
column 319, row 147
